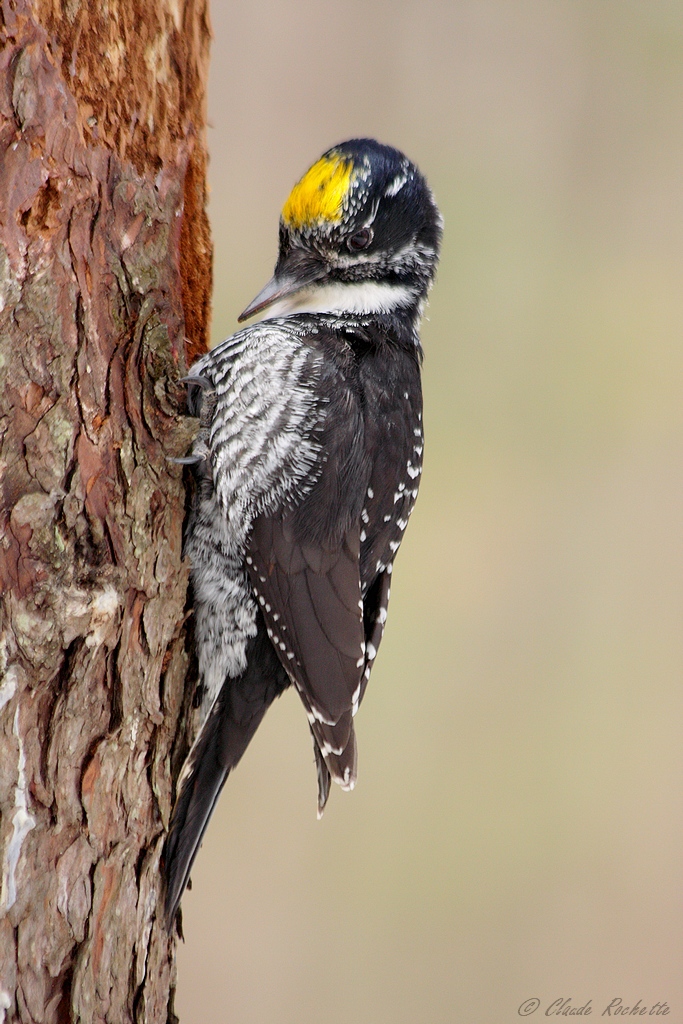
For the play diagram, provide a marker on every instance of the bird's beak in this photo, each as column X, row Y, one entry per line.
column 283, row 283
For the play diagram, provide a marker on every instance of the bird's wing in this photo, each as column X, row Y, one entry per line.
column 303, row 558
column 310, row 598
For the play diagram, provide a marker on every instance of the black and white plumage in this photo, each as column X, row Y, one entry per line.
column 307, row 463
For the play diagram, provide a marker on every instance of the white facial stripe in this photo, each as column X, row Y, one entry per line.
column 360, row 297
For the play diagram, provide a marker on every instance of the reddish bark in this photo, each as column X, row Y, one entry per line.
column 104, row 277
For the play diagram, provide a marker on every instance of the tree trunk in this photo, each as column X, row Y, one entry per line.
column 104, row 277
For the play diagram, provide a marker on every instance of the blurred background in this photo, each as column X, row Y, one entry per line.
column 517, row 829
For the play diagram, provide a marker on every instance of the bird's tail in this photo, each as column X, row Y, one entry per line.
column 234, row 718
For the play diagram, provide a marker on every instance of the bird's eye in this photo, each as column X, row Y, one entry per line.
column 361, row 240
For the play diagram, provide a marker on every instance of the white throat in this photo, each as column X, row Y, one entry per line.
column 359, row 297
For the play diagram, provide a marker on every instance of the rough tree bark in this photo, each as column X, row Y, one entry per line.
column 104, row 274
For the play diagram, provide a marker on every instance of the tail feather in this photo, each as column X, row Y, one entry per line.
column 324, row 777
column 342, row 766
column 226, row 734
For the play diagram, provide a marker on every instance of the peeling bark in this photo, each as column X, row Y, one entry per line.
column 104, row 291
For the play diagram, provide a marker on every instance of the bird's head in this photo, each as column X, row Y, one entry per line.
column 360, row 233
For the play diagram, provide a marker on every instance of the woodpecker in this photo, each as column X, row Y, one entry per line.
column 307, row 466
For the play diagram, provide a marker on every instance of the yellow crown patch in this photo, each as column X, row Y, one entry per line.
column 319, row 195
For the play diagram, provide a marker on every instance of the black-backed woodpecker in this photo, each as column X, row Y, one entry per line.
column 307, row 466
